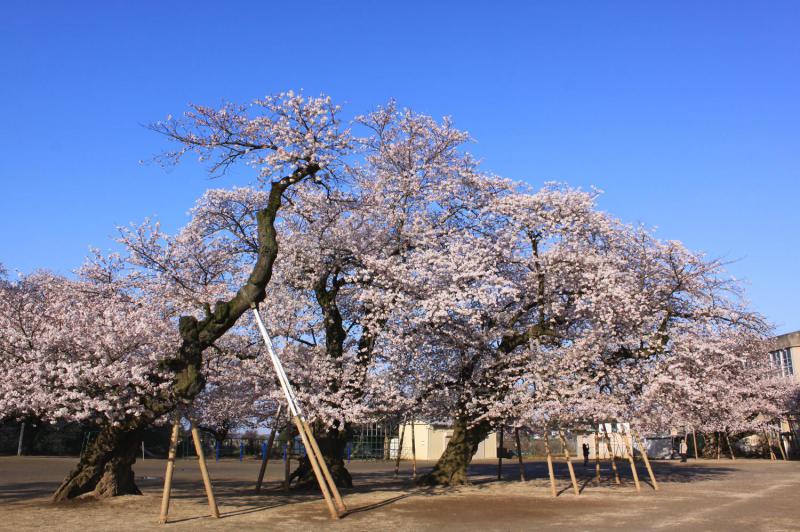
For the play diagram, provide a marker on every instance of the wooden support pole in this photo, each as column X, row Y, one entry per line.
column 694, row 439
column 312, row 458
column 569, row 462
column 607, row 438
column 629, row 452
column 399, row 450
column 780, row 446
column 519, row 455
column 326, row 472
column 646, row 460
column 173, row 447
column 21, row 436
column 413, row 450
column 265, row 458
column 730, row 447
column 500, row 452
column 201, row 460
column 549, row 463
column 597, row 458
column 769, row 445
column 287, row 466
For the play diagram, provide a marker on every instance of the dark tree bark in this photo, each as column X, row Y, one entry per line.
column 105, row 469
column 451, row 469
column 332, row 443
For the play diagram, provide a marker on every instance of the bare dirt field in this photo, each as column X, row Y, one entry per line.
column 699, row 495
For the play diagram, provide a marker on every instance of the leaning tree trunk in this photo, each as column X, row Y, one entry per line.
column 451, row 469
column 332, row 443
column 104, row 469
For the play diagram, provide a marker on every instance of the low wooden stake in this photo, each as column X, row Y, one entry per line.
column 569, row 463
column 201, row 460
column 519, row 455
column 646, row 460
column 550, row 463
column 173, row 447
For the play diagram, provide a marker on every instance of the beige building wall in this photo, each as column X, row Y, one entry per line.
column 790, row 342
column 431, row 440
column 620, row 443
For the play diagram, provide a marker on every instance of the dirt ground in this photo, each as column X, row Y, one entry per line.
column 704, row 494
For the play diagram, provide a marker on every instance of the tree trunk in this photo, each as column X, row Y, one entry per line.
column 451, row 469
column 332, row 443
column 104, row 470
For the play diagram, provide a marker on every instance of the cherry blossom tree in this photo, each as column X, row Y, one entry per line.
column 292, row 141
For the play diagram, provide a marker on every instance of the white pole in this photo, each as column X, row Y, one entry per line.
column 276, row 363
column 326, row 483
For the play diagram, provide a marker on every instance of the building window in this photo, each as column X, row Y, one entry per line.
column 782, row 362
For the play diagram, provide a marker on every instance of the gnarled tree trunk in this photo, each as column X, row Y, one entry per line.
column 451, row 469
column 104, row 469
column 332, row 443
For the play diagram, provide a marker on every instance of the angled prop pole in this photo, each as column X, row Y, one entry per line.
column 326, row 484
column 173, row 446
column 265, row 458
column 201, row 461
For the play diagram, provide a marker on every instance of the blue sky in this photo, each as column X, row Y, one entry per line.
column 686, row 114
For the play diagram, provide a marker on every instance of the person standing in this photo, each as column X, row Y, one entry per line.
column 683, row 450
column 585, row 454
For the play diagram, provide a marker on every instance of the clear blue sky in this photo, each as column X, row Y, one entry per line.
column 687, row 114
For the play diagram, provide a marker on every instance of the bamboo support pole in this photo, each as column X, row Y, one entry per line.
column 597, row 458
column 315, row 466
column 607, row 438
column 399, row 450
column 173, row 447
column 519, row 455
column 730, row 447
column 265, row 458
column 718, row 442
column 550, row 463
column 629, row 452
column 694, row 439
column 646, row 460
column 201, row 460
column 337, row 498
column 569, row 462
